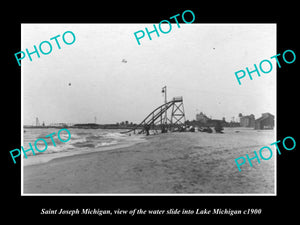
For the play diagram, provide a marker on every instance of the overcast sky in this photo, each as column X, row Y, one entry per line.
column 196, row 61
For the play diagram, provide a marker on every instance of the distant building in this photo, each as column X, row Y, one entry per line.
column 247, row 121
column 201, row 117
column 266, row 121
column 215, row 122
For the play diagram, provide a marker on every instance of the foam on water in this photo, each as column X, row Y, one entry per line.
column 82, row 141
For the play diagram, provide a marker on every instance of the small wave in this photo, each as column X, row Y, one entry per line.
column 93, row 137
column 106, row 144
column 115, row 135
column 84, row 145
column 91, row 140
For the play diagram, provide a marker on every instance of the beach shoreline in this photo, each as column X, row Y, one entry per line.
column 45, row 158
column 81, row 142
column 171, row 163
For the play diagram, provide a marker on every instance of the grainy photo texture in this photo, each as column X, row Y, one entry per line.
column 180, row 113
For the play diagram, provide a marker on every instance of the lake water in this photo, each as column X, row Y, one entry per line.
column 82, row 141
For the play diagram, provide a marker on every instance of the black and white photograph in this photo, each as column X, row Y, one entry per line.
column 144, row 111
column 106, row 115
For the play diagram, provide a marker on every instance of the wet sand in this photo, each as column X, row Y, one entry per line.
column 198, row 163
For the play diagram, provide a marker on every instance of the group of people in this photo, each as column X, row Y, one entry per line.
column 164, row 129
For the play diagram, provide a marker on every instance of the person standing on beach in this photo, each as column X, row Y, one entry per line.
column 147, row 128
column 164, row 128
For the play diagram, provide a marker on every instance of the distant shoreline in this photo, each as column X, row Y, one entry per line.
column 96, row 126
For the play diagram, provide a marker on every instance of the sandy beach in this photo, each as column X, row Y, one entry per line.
column 198, row 163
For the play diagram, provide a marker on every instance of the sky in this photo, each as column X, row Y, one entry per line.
column 196, row 61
